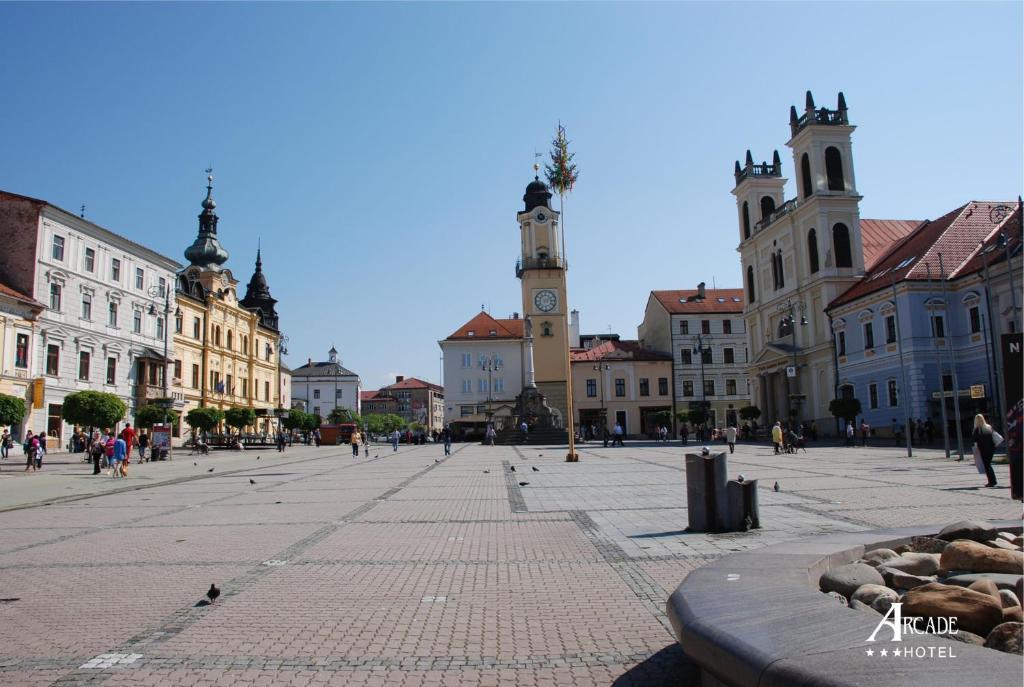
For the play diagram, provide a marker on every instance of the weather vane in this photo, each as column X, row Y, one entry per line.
column 209, row 172
column 536, row 162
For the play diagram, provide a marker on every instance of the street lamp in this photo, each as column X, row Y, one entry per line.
column 601, row 368
column 703, row 346
column 157, row 291
column 491, row 364
column 791, row 308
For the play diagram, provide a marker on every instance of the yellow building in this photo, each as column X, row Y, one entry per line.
column 17, row 313
column 226, row 348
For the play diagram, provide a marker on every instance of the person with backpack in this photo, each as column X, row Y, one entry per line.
column 30, row 446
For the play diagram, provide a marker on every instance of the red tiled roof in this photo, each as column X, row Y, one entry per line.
column 715, row 301
column 957, row 236
column 483, row 324
column 412, row 383
column 367, row 395
column 618, row 350
column 19, row 296
column 878, row 235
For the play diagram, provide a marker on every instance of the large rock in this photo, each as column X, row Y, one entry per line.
column 915, row 563
column 838, row 598
column 1008, row 598
column 965, row 637
column 1008, row 637
column 897, row 579
column 879, row 557
column 986, row 587
column 927, row 545
column 975, row 557
column 975, row 530
column 974, row 611
column 861, row 606
column 1002, row 580
column 1013, row 615
column 868, row 593
column 845, row 579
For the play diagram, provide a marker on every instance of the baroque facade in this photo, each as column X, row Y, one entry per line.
column 318, row 387
column 227, row 349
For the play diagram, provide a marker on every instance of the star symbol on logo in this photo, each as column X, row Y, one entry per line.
column 895, row 652
column 870, row 652
column 884, row 652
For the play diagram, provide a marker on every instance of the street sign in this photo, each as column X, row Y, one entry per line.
column 791, row 371
column 977, row 391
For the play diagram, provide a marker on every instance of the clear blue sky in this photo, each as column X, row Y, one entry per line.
column 381, row 151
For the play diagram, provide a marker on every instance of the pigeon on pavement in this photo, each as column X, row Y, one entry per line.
column 195, row 463
column 512, row 468
column 523, row 484
column 487, row 472
column 210, row 470
column 776, row 486
column 252, row 481
column 212, row 593
column 535, row 468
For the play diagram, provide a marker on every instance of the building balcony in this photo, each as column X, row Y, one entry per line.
column 523, row 264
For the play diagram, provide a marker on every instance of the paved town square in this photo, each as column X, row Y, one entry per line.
column 406, row 568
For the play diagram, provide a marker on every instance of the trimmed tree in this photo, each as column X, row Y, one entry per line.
column 663, row 417
column 93, row 409
column 296, row 419
column 240, row 418
column 375, row 423
column 844, row 408
column 697, row 416
column 147, row 416
column 311, row 422
column 341, row 416
column 204, row 419
column 394, row 422
column 12, row 410
column 750, row 413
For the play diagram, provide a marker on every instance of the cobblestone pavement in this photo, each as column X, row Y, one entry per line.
column 405, row 568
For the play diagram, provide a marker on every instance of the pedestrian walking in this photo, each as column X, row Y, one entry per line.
column 118, row 458
column 604, row 435
column 524, row 430
column 30, row 446
column 730, row 438
column 395, row 436
column 5, row 444
column 850, row 433
column 985, row 442
column 684, row 433
column 446, row 439
column 355, row 443
column 40, row 449
column 777, row 436
column 865, row 428
column 96, row 452
column 617, row 434
column 143, row 442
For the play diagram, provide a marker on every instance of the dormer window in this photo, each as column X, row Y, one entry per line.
column 471, row 333
column 493, row 332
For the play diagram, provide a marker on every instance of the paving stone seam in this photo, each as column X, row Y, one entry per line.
column 515, row 495
column 183, row 618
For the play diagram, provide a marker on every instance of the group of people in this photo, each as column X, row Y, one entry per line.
column 34, row 447
column 112, row 451
column 788, row 439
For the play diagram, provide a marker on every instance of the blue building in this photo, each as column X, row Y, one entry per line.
column 922, row 328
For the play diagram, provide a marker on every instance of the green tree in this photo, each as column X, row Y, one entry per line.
column 682, row 416
column 311, row 422
column 342, row 415
column 149, row 415
column 663, row 417
column 375, row 423
column 296, row 419
column 698, row 415
column 12, row 410
column 844, row 408
column 240, row 418
column 394, row 422
column 93, row 409
column 750, row 412
column 204, row 419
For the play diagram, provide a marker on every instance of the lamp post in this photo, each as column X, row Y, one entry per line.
column 156, row 291
column 791, row 308
column 601, row 368
column 491, row 364
column 703, row 346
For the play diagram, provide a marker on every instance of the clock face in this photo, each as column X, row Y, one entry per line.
column 541, row 217
column 545, row 300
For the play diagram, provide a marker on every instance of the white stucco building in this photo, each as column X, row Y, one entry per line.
column 320, row 387
column 104, row 305
column 483, row 371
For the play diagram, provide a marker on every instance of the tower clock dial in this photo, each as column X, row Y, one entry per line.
column 546, row 300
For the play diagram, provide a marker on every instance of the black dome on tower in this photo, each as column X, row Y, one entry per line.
column 537, row 195
column 258, row 298
column 206, row 252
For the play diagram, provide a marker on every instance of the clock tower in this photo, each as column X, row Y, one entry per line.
column 541, row 269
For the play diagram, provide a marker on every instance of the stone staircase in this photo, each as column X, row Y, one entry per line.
column 537, row 437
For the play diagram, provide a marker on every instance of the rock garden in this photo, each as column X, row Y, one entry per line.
column 969, row 570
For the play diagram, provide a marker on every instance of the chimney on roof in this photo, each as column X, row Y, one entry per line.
column 398, row 378
column 574, row 329
column 515, row 316
column 309, row 362
column 700, row 291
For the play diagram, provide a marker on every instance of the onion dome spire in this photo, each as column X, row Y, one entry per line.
column 206, row 252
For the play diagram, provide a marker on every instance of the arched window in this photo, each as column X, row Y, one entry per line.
column 812, row 249
column 767, row 206
column 230, row 338
column 834, row 169
column 245, row 344
column 846, row 391
column 216, row 336
column 841, row 243
column 805, row 175
column 782, row 276
column 746, row 220
column 750, row 285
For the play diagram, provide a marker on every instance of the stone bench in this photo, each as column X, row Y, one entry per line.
column 758, row 619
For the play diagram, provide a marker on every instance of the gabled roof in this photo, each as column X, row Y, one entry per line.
column 482, row 324
column 878, row 235
column 19, row 296
column 957, row 236
column 324, row 369
column 618, row 350
column 411, row 383
column 367, row 395
column 684, row 302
